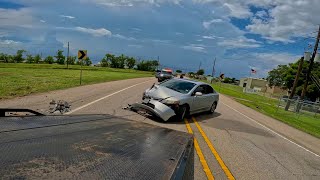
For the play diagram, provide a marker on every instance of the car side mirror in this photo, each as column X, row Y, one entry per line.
column 198, row 94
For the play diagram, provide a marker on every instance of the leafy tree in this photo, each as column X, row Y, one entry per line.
column 72, row 60
column 121, row 61
column 178, row 71
column 2, row 56
column 19, row 56
column 277, row 77
column 29, row 59
column 130, row 62
column 104, row 62
column 37, row 59
column 87, row 62
column 150, row 65
column 49, row 60
column 284, row 75
column 6, row 58
column 229, row 80
column 116, row 62
column 60, row 58
column 200, row 72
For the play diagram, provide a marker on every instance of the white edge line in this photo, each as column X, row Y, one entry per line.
column 86, row 105
column 272, row 130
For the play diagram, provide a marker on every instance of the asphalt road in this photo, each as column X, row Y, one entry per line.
column 234, row 142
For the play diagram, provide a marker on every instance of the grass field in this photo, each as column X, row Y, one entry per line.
column 23, row 79
column 268, row 106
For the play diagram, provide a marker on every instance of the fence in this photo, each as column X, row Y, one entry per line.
column 300, row 107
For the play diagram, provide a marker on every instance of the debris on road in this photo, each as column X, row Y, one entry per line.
column 61, row 106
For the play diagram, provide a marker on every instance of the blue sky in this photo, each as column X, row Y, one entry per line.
column 241, row 34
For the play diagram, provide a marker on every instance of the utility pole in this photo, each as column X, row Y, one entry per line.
column 68, row 57
column 293, row 91
column 214, row 67
column 158, row 63
column 199, row 65
column 305, row 86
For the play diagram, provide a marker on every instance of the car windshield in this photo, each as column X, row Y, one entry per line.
column 179, row 86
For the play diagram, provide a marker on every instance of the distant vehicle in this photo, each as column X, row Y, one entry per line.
column 165, row 74
column 179, row 98
column 157, row 73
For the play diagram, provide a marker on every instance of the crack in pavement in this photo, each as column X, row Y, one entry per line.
column 228, row 132
column 274, row 157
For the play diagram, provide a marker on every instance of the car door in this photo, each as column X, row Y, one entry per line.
column 199, row 102
column 209, row 97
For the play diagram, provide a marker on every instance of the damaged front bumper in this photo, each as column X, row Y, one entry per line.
column 155, row 108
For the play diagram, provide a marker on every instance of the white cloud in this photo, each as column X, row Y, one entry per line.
column 131, row 3
column 43, row 21
column 207, row 24
column 287, row 19
column 123, row 37
column 212, row 37
column 136, row 29
column 276, row 58
column 241, row 42
column 261, row 14
column 135, row 45
column 9, row 42
column 179, row 33
column 17, row 17
column 195, row 47
column 237, row 10
column 95, row 32
column 162, row 41
column 66, row 16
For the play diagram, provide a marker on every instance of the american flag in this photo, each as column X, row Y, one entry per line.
column 253, row 71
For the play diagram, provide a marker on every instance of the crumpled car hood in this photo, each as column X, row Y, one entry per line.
column 159, row 92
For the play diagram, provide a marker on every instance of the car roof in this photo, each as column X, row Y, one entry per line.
column 192, row 81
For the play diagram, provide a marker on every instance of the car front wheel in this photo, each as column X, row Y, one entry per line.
column 213, row 108
column 183, row 112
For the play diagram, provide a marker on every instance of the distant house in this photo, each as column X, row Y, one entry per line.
column 253, row 83
column 260, row 85
column 275, row 90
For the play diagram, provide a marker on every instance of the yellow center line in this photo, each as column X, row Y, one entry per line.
column 214, row 151
column 203, row 161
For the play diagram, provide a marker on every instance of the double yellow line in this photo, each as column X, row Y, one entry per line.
column 203, row 161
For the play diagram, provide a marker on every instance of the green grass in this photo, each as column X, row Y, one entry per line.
column 306, row 122
column 23, row 79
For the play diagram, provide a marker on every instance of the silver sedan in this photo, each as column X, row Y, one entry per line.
column 179, row 98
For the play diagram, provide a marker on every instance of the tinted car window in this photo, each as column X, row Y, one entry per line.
column 209, row 89
column 179, row 86
column 201, row 89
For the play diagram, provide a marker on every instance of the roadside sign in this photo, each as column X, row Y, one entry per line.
column 82, row 54
column 222, row 76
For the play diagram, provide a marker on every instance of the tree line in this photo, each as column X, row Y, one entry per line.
column 22, row 56
column 283, row 76
column 122, row 61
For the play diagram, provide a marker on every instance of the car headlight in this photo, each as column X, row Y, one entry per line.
column 161, row 75
column 170, row 102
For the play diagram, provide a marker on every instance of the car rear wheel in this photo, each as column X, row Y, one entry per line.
column 213, row 108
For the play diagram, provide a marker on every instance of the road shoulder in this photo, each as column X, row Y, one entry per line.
column 301, row 138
